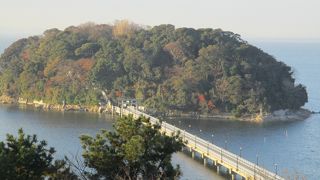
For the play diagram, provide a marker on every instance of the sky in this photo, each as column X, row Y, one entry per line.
column 252, row 19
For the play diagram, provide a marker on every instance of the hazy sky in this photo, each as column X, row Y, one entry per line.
column 267, row 19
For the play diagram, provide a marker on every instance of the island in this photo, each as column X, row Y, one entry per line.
column 176, row 71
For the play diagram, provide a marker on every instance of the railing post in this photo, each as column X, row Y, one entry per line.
column 208, row 149
column 221, row 155
column 232, row 176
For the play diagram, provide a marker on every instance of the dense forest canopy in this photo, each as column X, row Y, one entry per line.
column 186, row 69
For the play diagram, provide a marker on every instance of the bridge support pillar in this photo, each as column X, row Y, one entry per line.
column 233, row 176
column 215, row 163
column 218, row 169
column 193, row 154
column 205, row 161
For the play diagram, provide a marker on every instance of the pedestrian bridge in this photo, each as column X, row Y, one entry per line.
column 209, row 152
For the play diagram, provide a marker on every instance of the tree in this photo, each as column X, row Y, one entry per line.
column 87, row 50
column 135, row 149
column 124, row 28
column 184, row 62
column 26, row 158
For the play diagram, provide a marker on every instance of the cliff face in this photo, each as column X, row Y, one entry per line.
column 203, row 70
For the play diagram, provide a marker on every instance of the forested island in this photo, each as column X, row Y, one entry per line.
column 209, row 71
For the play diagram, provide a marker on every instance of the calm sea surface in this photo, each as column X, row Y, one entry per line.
column 293, row 146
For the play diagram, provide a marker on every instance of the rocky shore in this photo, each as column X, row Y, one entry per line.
column 287, row 115
column 280, row 115
column 276, row 116
column 54, row 107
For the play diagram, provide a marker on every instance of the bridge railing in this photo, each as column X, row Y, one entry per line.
column 221, row 154
column 209, row 148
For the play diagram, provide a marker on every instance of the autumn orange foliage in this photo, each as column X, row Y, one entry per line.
column 25, row 55
column 211, row 105
column 118, row 93
column 85, row 64
column 201, row 98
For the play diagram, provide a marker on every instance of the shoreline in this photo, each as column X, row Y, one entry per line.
column 52, row 107
column 285, row 115
column 276, row 116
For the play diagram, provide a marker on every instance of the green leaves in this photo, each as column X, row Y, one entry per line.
column 87, row 50
column 136, row 148
column 164, row 67
column 24, row 157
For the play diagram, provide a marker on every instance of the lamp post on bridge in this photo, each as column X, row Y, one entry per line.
column 238, row 158
column 174, row 128
column 212, row 135
column 225, row 144
column 189, row 129
column 276, row 168
column 209, row 143
column 195, row 139
column 237, row 163
column 240, row 151
column 179, row 126
column 255, row 167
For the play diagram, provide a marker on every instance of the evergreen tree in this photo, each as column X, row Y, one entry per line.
column 135, row 149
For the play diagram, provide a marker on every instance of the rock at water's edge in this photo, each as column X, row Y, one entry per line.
column 287, row 115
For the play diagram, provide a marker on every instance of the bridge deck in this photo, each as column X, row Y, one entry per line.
column 221, row 157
